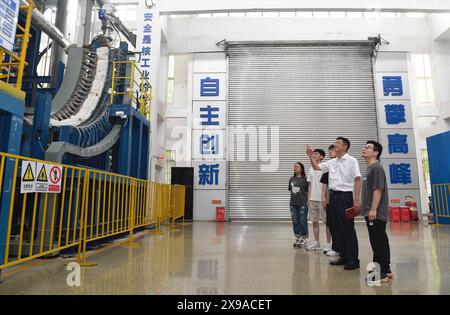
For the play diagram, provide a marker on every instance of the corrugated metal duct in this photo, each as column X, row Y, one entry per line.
column 314, row 92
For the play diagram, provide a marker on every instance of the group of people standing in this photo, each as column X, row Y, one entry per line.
column 330, row 189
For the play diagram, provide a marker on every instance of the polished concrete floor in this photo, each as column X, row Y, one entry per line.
column 242, row 258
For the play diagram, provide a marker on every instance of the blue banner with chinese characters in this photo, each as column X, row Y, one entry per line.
column 395, row 127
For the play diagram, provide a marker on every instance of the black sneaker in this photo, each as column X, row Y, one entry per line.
column 352, row 266
column 338, row 262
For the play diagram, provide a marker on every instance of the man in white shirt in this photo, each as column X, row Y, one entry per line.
column 345, row 191
column 315, row 206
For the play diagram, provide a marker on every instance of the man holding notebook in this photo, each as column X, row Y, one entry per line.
column 376, row 209
column 345, row 189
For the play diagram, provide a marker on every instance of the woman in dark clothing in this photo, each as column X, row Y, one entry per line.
column 298, row 186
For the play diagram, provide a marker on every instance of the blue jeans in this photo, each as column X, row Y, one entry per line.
column 299, row 215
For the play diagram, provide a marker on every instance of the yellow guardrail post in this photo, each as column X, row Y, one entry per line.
column 174, row 200
column 157, row 208
column 172, row 207
column 83, row 222
column 130, row 242
column 164, row 206
column 178, row 203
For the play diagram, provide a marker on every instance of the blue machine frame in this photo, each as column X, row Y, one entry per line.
column 439, row 162
column 11, row 120
column 133, row 143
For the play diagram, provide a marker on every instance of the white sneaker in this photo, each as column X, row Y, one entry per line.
column 313, row 246
column 332, row 253
column 302, row 242
column 297, row 242
column 326, row 248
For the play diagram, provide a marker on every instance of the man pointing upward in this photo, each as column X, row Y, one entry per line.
column 345, row 189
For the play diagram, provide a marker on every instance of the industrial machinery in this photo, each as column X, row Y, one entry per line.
column 95, row 114
column 81, row 121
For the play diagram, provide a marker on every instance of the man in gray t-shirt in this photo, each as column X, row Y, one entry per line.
column 375, row 179
column 375, row 205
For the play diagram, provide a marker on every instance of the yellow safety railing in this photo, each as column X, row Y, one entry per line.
column 177, row 199
column 441, row 201
column 132, row 84
column 161, row 204
column 92, row 205
column 12, row 64
column 165, row 207
column 40, row 224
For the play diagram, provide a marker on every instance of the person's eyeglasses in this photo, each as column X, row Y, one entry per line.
column 367, row 147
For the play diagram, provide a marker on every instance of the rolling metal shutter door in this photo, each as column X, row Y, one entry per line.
column 314, row 93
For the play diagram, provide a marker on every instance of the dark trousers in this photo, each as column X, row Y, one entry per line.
column 299, row 215
column 380, row 244
column 330, row 224
column 345, row 233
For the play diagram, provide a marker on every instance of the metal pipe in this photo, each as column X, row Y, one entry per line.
column 70, row 21
column 101, row 3
column 88, row 22
column 51, row 30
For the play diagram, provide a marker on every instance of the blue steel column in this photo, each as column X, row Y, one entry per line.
column 438, row 147
column 10, row 140
column 139, row 175
column 40, row 125
column 125, row 145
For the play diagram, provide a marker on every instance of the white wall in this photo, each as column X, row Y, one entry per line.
column 440, row 26
column 174, row 6
column 178, row 112
column 202, row 34
column 441, row 80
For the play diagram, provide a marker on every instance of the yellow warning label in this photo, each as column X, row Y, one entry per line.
column 28, row 176
column 42, row 177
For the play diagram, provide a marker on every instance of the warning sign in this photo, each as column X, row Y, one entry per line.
column 28, row 183
column 40, row 177
column 55, row 179
column 29, row 173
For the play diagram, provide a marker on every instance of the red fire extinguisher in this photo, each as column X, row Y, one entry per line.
column 409, row 202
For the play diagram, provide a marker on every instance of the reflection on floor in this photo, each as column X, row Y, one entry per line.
column 243, row 258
